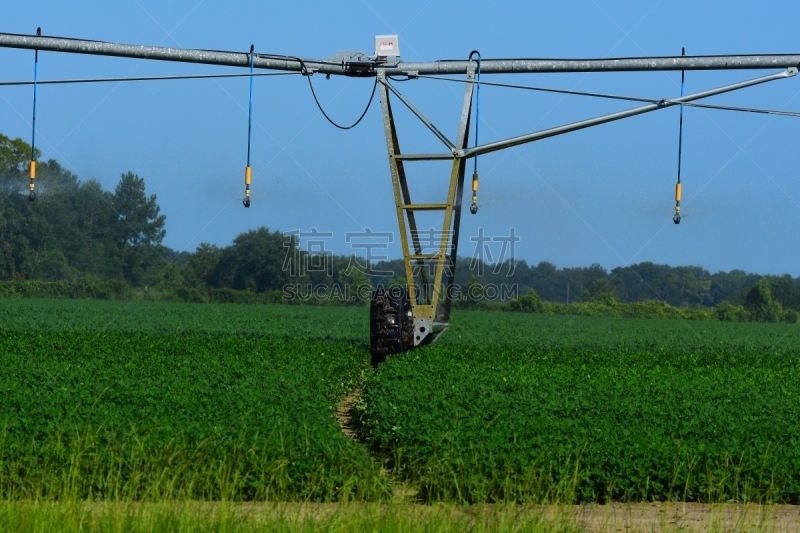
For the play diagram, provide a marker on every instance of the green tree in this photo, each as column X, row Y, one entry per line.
column 527, row 303
column 255, row 261
column 728, row 312
column 761, row 305
column 600, row 291
column 471, row 296
column 139, row 219
column 139, row 228
column 15, row 156
column 786, row 291
column 202, row 264
column 92, row 247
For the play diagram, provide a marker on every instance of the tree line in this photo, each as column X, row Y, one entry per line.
column 681, row 286
column 98, row 243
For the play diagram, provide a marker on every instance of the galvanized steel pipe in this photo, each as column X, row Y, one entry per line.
column 488, row 66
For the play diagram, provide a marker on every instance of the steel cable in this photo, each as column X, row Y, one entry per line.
column 625, row 98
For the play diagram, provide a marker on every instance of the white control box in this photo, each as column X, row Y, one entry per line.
column 387, row 46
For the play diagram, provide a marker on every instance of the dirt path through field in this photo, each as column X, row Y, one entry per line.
column 657, row 517
column 344, row 415
column 618, row 517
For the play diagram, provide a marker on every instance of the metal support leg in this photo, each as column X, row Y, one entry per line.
column 462, row 140
column 431, row 299
column 402, row 195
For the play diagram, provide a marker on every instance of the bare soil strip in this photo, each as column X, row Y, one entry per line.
column 661, row 516
column 344, row 415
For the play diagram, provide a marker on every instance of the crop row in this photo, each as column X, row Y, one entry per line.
column 542, row 408
column 150, row 401
column 197, row 413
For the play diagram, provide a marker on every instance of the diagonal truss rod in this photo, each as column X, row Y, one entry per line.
column 663, row 104
column 419, row 115
column 575, row 126
column 431, row 310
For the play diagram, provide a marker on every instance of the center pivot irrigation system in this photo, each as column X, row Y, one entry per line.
column 405, row 318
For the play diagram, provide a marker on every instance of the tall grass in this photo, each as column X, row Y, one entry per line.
column 102, row 465
column 282, row 518
column 477, row 474
column 32, row 516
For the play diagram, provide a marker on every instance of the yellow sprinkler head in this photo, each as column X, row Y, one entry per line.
column 474, row 207
column 247, row 179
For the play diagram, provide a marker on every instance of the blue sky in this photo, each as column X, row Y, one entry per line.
column 603, row 195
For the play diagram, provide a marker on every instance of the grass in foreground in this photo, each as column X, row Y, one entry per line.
column 393, row 518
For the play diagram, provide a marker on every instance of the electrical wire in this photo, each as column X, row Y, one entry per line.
column 308, row 74
column 329, row 119
column 302, row 62
column 145, row 78
column 544, row 89
column 305, row 72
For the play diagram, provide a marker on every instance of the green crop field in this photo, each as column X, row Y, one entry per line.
column 155, row 401
column 548, row 408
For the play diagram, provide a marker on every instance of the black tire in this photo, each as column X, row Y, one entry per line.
column 391, row 326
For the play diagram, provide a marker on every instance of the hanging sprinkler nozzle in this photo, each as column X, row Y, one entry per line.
column 32, row 195
column 474, row 207
column 247, row 178
column 247, row 170
column 676, row 218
